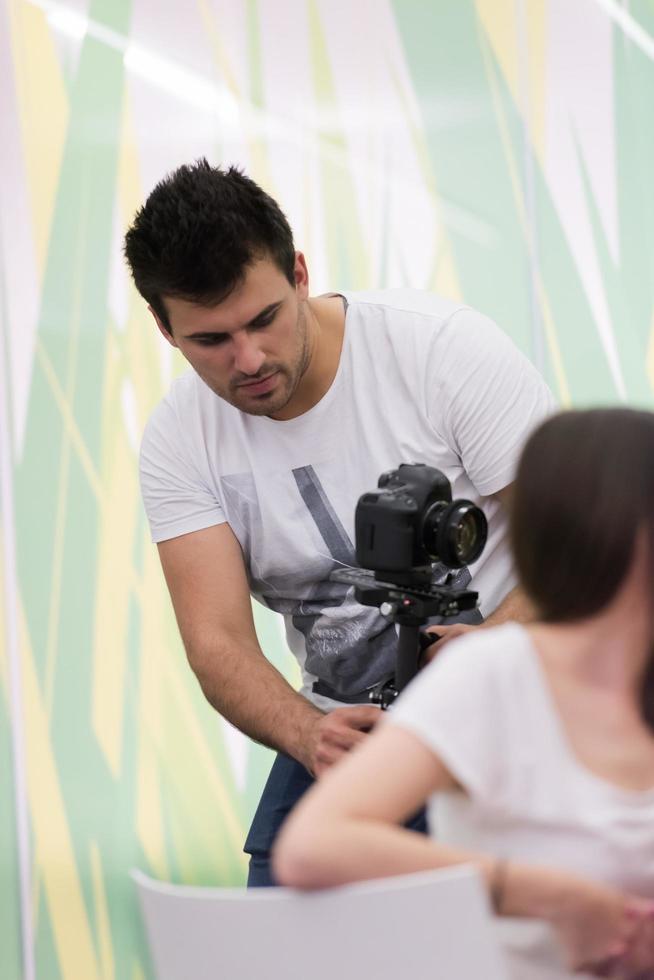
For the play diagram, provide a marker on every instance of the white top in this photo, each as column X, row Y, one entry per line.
column 484, row 706
column 420, row 379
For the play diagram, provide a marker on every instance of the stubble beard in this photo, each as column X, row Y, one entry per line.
column 289, row 379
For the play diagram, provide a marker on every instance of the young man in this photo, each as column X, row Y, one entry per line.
column 251, row 467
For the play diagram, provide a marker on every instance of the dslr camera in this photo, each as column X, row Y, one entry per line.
column 402, row 530
column 411, row 521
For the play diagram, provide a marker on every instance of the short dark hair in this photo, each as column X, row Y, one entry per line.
column 197, row 233
column 583, row 491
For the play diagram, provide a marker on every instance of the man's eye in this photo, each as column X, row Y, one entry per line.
column 211, row 341
column 264, row 323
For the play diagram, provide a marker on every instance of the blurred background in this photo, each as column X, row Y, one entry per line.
column 498, row 151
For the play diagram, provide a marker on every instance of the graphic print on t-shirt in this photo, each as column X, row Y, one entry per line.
column 242, row 505
column 348, row 646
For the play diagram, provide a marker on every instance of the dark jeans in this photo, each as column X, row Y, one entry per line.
column 287, row 781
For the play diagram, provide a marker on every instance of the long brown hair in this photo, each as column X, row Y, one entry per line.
column 584, row 488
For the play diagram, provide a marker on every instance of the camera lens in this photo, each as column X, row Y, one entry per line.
column 454, row 533
column 465, row 536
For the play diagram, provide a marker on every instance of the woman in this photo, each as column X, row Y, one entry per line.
column 534, row 745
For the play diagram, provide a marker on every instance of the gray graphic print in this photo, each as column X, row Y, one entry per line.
column 244, row 512
column 349, row 646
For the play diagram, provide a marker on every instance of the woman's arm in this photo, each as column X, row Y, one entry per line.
column 347, row 829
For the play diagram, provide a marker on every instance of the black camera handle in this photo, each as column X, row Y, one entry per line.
column 408, row 655
column 409, row 648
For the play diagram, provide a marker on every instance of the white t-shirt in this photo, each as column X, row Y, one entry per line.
column 485, row 708
column 420, row 379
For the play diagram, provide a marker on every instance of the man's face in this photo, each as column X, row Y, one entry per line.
column 252, row 348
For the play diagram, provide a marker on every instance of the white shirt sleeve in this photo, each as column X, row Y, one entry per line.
column 176, row 498
column 454, row 707
column 486, row 398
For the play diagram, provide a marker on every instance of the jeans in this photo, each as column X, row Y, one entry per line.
column 287, row 782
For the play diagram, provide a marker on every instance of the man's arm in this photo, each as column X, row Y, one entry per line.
column 206, row 578
column 515, row 606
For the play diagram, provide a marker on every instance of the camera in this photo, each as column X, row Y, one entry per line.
column 402, row 530
column 412, row 522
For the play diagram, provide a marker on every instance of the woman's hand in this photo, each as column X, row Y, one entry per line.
column 602, row 930
column 637, row 960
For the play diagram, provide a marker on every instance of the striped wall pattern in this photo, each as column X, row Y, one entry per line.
column 501, row 151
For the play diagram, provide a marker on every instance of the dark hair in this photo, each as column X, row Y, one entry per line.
column 584, row 489
column 197, row 233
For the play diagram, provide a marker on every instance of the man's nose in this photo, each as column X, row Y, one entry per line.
column 248, row 359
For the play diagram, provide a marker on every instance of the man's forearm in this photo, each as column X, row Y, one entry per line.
column 514, row 607
column 251, row 694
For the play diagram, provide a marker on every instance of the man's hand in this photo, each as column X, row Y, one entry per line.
column 441, row 636
column 514, row 607
column 335, row 733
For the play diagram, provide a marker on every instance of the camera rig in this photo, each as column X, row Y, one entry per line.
column 401, row 530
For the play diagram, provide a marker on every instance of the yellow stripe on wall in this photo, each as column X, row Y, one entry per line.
column 537, row 41
column 44, row 121
column 149, row 816
column 446, row 280
column 650, row 353
column 563, row 388
column 53, row 846
column 115, row 555
column 103, row 924
column 498, row 19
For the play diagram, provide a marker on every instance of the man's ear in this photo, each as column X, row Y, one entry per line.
column 163, row 329
column 301, row 276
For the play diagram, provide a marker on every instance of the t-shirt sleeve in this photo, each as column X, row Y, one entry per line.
column 454, row 707
column 176, row 498
column 484, row 397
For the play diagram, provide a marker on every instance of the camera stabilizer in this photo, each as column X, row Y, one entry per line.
column 410, row 608
column 400, row 530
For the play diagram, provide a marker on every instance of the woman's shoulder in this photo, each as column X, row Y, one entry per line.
column 473, row 705
column 473, row 673
column 487, row 649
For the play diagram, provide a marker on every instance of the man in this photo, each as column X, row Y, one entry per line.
column 252, row 465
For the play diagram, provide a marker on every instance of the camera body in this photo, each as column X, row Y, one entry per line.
column 411, row 521
column 402, row 529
